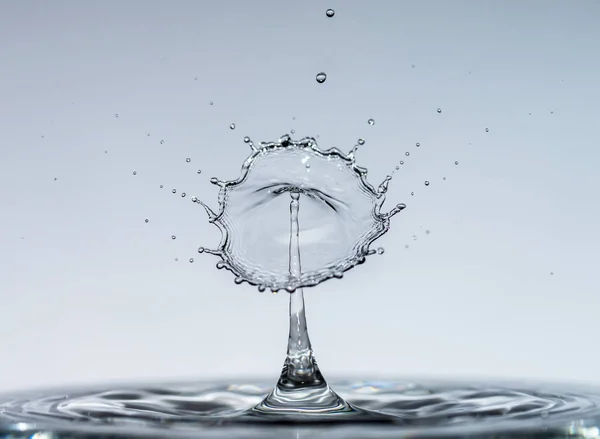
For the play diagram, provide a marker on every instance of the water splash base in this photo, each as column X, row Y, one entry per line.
column 396, row 409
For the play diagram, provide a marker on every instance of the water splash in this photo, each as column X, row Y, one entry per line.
column 343, row 214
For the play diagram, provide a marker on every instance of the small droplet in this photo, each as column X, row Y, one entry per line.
column 371, row 122
column 183, row 195
column 407, row 153
column 191, row 260
column 427, row 231
column 397, row 168
column 552, row 273
column 148, row 134
column 134, row 172
column 456, row 162
column 401, row 162
column 200, row 249
column 246, row 139
column 211, row 102
column 308, row 166
column 426, row 182
column 117, row 115
column 487, row 130
column 55, row 178
column 439, row 110
column 418, row 144
column 361, row 141
column 321, row 77
column 176, row 259
column 232, row 126
column 195, row 78
column 406, row 246
column 105, row 151
column 444, row 178
column 412, row 66
column 161, row 186
column 262, row 288
column 174, row 191
column 162, row 141
column 293, row 131
column 380, row 250
column 173, row 237
column 330, row 13
column 146, row 220
column 188, row 160
column 414, row 237
column 412, row 193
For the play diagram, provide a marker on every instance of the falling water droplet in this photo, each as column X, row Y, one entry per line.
column 361, row 141
column 183, row 195
column 407, row 153
column 146, row 220
column 426, row 182
column 246, row 139
column 371, row 122
column 439, row 110
column 401, row 162
column 330, row 13
column 487, row 130
column 199, row 171
column 321, row 77
column 173, row 237
column 232, row 126
column 397, row 168
column 412, row 193
column 293, row 132
column 308, row 166
column 161, row 186
column 194, row 199
column 188, row 160
column 117, row 115
column 134, row 172
column 176, row 259
column 380, row 251
column 456, row 162
column 418, row 144
column 162, row 141
column 427, row 231
column 174, row 191
column 200, row 249
column 414, row 237
column 191, row 260
column 211, row 103
column 148, row 134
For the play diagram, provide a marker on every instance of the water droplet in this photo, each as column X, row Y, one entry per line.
column 262, row 288
column 161, row 186
column 146, row 220
column 148, row 134
column 361, row 141
column 232, row 126
column 293, row 131
column 188, row 160
column 200, row 249
column 191, row 260
column 162, row 141
column 487, row 130
column 321, row 77
column 412, row 193
column 426, row 182
column 211, row 102
column 407, row 153
column 412, row 66
column 105, row 151
column 427, row 231
column 414, row 237
column 439, row 110
column 199, row 171
column 552, row 273
column 380, row 250
column 195, row 78
column 117, row 115
column 418, row 144
column 173, row 237
column 238, row 280
column 246, row 139
column 176, row 259
column 308, row 166
column 371, row 122
column 183, row 195
column 456, row 162
column 55, row 178
column 174, row 191
column 134, row 172
column 444, row 178
column 330, row 13
column 406, row 246
column 397, row 168
column 401, row 162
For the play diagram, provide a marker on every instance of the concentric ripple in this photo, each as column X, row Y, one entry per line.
column 224, row 410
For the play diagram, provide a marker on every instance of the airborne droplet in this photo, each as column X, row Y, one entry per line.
column 330, row 13
column 321, row 77
column 134, row 172
column 439, row 110
column 174, row 191
column 246, row 139
column 183, row 195
column 191, row 260
column 199, row 171
column 487, row 130
column 146, row 220
column 232, row 126
column 426, row 182
column 456, row 162
column 380, row 250
column 361, row 141
column 371, row 122
column 188, row 160
column 418, row 144
column 173, row 237
column 162, row 141
column 407, row 153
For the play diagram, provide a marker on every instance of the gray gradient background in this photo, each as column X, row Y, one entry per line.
column 89, row 292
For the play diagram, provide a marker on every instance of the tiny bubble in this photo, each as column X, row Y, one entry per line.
column 321, row 77
column 188, row 160
column 232, row 126
column 195, row 78
column 146, row 220
column 173, row 237
column 183, row 195
column 191, row 260
column 380, row 250
column 174, row 191
column 426, row 182
column 371, row 122
column 444, row 178
column 105, row 151
column 330, row 13
column 55, row 178
column 439, row 110
column 361, row 141
column 487, row 130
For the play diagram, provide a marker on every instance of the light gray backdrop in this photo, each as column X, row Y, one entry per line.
column 504, row 285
